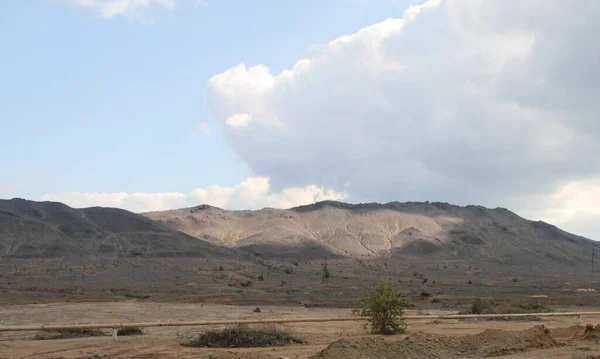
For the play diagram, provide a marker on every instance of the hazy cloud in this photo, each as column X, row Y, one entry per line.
column 490, row 102
column 252, row 193
column 111, row 8
column 5, row 191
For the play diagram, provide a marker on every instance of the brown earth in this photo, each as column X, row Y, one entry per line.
column 557, row 338
column 491, row 342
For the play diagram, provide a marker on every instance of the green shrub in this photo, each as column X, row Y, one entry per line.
column 479, row 307
column 383, row 307
column 244, row 337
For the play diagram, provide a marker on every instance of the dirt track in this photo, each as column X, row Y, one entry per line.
column 164, row 342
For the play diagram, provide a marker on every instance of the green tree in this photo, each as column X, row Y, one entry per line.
column 383, row 308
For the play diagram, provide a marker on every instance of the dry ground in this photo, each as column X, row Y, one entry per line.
column 165, row 342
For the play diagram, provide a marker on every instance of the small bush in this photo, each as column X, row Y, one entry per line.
column 326, row 273
column 479, row 307
column 256, row 310
column 68, row 334
column 243, row 337
column 123, row 332
column 383, row 307
column 425, row 294
column 435, row 300
column 515, row 280
column 470, row 282
column 425, row 280
column 261, row 278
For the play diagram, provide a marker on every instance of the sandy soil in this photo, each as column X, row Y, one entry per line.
column 165, row 342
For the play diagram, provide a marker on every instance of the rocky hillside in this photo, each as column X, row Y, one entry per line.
column 48, row 229
column 413, row 231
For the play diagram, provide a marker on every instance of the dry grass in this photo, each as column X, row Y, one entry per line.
column 121, row 332
column 244, row 337
column 68, row 334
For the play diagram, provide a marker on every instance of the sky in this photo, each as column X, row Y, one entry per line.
column 160, row 104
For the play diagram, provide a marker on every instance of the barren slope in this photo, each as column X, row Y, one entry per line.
column 406, row 230
column 48, row 229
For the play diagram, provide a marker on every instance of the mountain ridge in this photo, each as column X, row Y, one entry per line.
column 409, row 230
column 32, row 229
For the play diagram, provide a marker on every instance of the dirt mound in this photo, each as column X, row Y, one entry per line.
column 232, row 355
column 590, row 333
column 574, row 331
column 424, row 345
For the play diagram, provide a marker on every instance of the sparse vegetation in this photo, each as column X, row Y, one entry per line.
column 480, row 306
column 122, row 332
column 326, row 273
column 244, row 337
column 383, row 307
column 68, row 334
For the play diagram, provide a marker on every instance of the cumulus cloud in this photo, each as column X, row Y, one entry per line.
column 239, row 120
column 573, row 206
column 484, row 101
column 111, row 8
column 252, row 193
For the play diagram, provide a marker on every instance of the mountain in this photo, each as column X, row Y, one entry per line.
column 50, row 251
column 48, row 229
column 409, row 231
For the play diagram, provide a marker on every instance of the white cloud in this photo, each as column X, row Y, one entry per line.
column 111, row 8
column 573, row 206
column 462, row 101
column 252, row 193
column 239, row 120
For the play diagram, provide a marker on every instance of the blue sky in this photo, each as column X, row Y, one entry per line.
column 158, row 104
column 97, row 104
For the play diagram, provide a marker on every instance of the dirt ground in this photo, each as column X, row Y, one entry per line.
column 558, row 338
